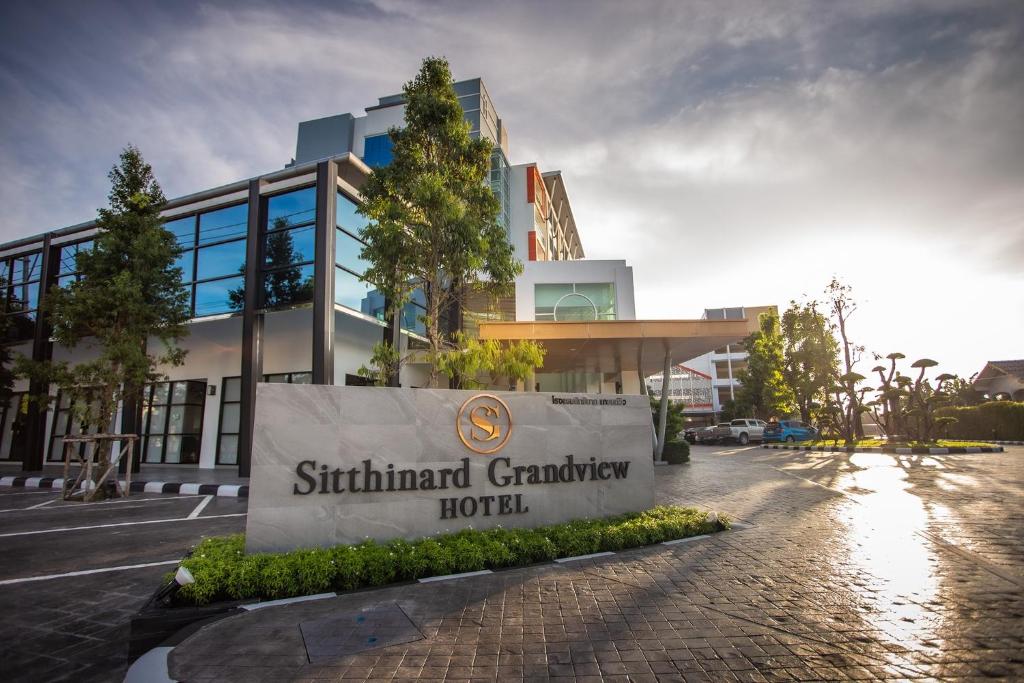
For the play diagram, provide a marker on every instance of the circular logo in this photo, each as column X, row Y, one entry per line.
column 484, row 423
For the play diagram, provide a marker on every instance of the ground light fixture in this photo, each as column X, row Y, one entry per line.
column 182, row 577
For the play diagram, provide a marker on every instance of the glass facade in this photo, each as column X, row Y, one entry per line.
column 213, row 258
column 67, row 270
column 377, row 150
column 500, row 175
column 19, row 281
column 230, row 411
column 12, row 426
column 289, row 237
column 575, row 301
column 350, row 289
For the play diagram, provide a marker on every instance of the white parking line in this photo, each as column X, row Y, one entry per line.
column 107, row 526
column 39, row 505
column 47, row 577
column 199, row 508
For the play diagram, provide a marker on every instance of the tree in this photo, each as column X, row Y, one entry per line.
column 129, row 291
column 433, row 220
column 476, row 363
column 763, row 386
column 848, row 399
column 810, row 357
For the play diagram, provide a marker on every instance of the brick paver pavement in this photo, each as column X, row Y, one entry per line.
column 862, row 566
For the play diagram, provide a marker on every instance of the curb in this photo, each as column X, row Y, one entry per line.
column 180, row 488
column 918, row 450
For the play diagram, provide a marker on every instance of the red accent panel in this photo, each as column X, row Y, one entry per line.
column 532, row 243
column 530, row 172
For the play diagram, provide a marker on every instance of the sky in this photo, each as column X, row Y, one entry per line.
column 734, row 153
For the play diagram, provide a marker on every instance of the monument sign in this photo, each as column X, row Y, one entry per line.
column 336, row 465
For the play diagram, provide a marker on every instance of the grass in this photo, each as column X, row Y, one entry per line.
column 880, row 443
column 223, row 571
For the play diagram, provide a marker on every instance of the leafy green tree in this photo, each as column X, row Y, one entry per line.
column 130, row 292
column 763, row 385
column 478, row 363
column 810, row 356
column 845, row 396
column 433, row 220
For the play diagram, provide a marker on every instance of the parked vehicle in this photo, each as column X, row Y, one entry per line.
column 690, row 434
column 713, row 433
column 789, row 431
column 745, row 430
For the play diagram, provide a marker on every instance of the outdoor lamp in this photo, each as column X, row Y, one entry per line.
column 182, row 577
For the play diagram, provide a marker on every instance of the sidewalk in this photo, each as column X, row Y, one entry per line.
column 183, row 479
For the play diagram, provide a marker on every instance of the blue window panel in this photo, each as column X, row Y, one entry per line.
column 27, row 267
column 346, row 252
column 220, row 296
column 221, row 259
column 291, row 208
column 285, row 247
column 68, row 255
column 349, row 290
column 224, row 224
column 346, row 216
column 184, row 230
column 185, row 263
column 377, row 150
column 23, row 297
column 287, row 287
column 412, row 319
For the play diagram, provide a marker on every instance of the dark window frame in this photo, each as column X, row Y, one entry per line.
column 166, row 434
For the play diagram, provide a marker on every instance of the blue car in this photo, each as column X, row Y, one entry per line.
column 789, row 431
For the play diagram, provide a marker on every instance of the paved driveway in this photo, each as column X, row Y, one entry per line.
column 853, row 567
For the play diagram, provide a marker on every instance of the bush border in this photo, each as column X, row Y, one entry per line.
column 223, row 571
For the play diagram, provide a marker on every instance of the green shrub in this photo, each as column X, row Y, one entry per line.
column 676, row 452
column 222, row 570
column 997, row 420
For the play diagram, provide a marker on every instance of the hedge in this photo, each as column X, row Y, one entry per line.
column 223, row 571
column 676, row 452
column 998, row 420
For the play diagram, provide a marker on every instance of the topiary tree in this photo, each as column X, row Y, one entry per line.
column 675, row 420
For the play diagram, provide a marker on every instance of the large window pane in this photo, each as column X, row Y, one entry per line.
column 27, row 267
column 232, row 389
column 346, row 252
column 222, row 259
column 229, row 418
column 292, row 208
column 287, row 286
column 220, row 296
column 349, row 290
column 185, row 263
column 184, row 230
column 285, row 247
column 346, row 216
column 69, row 254
column 228, row 452
column 377, row 150
column 224, row 224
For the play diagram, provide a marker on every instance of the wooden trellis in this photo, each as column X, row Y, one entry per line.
column 87, row 461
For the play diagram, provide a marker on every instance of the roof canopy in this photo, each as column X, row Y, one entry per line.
column 609, row 346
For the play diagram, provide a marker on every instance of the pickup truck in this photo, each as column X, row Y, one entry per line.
column 713, row 433
column 744, row 431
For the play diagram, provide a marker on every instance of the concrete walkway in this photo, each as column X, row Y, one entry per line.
column 855, row 566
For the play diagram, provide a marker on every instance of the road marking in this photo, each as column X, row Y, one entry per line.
column 98, row 505
column 47, row 577
column 199, row 508
column 449, row 577
column 24, row 493
column 107, row 526
column 39, row 505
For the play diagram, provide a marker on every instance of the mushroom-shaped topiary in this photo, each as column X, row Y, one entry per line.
column 945, row 377
column 896, row 356
column 924, row 363
column 852, row 378
column 878, row 368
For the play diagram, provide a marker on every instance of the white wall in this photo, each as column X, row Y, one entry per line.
column 521, row 212
column 582, row 271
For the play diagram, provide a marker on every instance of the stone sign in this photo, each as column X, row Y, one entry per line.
column 334, row 465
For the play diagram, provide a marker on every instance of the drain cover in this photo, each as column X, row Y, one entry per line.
column 347, row 633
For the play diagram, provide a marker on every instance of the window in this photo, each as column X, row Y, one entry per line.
column 579, row 301
column 350, row 289
column 288, row 249
column 67, row 269
column 377, row 150
column 64, row 426
column 19, row 285
column 230, row 415
column 173, row 419
column 12, row 426
column 213, row 258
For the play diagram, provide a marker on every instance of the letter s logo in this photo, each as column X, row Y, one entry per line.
column 484, row 423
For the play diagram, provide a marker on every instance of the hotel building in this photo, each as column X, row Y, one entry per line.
column 273, row 269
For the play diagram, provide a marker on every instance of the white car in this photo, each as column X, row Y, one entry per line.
column 745, row 430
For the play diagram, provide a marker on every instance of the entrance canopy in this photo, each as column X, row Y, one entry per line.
column 610, row 346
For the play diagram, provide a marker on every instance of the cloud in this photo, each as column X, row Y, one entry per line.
column 734, row 152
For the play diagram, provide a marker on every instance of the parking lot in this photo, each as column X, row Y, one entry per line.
column 72, row 574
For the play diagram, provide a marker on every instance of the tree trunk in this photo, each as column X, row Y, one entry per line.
column 666, row 378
